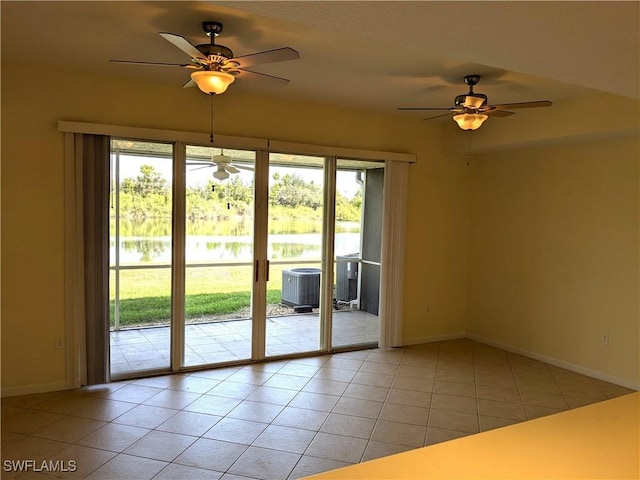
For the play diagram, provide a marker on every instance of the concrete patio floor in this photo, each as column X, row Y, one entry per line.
column 148, row 348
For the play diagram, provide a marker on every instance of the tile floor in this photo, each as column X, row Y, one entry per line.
column 287, row 419
column 228, row 341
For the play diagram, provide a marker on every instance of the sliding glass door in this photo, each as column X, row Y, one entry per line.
column 358, row 234
column 218, row 254
column 140, row 255
column 295, row 239
column 229, row 256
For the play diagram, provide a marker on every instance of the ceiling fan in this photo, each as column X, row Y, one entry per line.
column 215, row 65
column 223, row 165
column 471, row 109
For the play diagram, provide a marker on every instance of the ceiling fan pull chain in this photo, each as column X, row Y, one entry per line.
column 211, row 124
column 469, row 148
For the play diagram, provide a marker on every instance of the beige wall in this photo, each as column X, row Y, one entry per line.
column 437, row 247
column 554, row 253
column 442, row 298
column 33, row 210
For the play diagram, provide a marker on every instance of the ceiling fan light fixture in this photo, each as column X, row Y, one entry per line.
column 470, row 121
column 212, row 81
column 221, row 174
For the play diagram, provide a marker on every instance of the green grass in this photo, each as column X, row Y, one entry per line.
column 145, row 294
column 157, row 310
column 154, row 282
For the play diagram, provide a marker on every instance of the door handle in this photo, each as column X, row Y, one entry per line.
column 266, row 271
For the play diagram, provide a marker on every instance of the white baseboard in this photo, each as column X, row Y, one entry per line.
column 556, row 362
column 30, row 389
column 431, row 339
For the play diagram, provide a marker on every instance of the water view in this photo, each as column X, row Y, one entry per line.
column 147, row 244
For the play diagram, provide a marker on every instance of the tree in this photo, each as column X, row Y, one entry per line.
column 128, row 185
column 146, row 196
column 348, row 210
column 292, row 191
column 150, row 181
column 233, row 190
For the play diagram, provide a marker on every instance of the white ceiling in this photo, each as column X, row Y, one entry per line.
column 370, row 55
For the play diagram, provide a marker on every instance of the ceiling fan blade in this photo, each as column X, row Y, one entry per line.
column 497, row 113
column 437, row 116
column 231, row 169
column 244, row 167
column 263, row 77
column 184, row 45
column 539, row 103
column 269, row 56
column 190, row 83
column 448, row 109
column 199, row 168
column 156, row 64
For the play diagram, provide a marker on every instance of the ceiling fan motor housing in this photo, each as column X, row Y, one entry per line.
column 471, row 100
column 216, row 51
column 221, row 159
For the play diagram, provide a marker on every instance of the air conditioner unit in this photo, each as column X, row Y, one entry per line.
column 301, row 286
column 347, row 278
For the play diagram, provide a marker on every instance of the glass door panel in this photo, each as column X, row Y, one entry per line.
column 358, row 222
column 140, row 228
column 236, row 307
column 294, row 251
column 218, row 255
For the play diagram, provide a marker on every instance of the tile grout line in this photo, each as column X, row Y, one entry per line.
column 515, row 381
column 377, row 420
column 475, row 387
column 433, row 389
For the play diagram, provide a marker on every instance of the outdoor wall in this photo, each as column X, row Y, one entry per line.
column 33, row 196
column 554, row 253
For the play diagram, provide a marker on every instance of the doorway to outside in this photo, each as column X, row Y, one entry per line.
column 223, row 256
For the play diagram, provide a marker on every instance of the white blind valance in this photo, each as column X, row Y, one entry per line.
column 230, row 141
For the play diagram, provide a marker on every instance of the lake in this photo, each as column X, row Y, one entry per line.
column 150, row 242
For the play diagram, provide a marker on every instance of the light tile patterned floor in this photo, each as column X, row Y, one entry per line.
column 228, row 341
column 288, row 419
